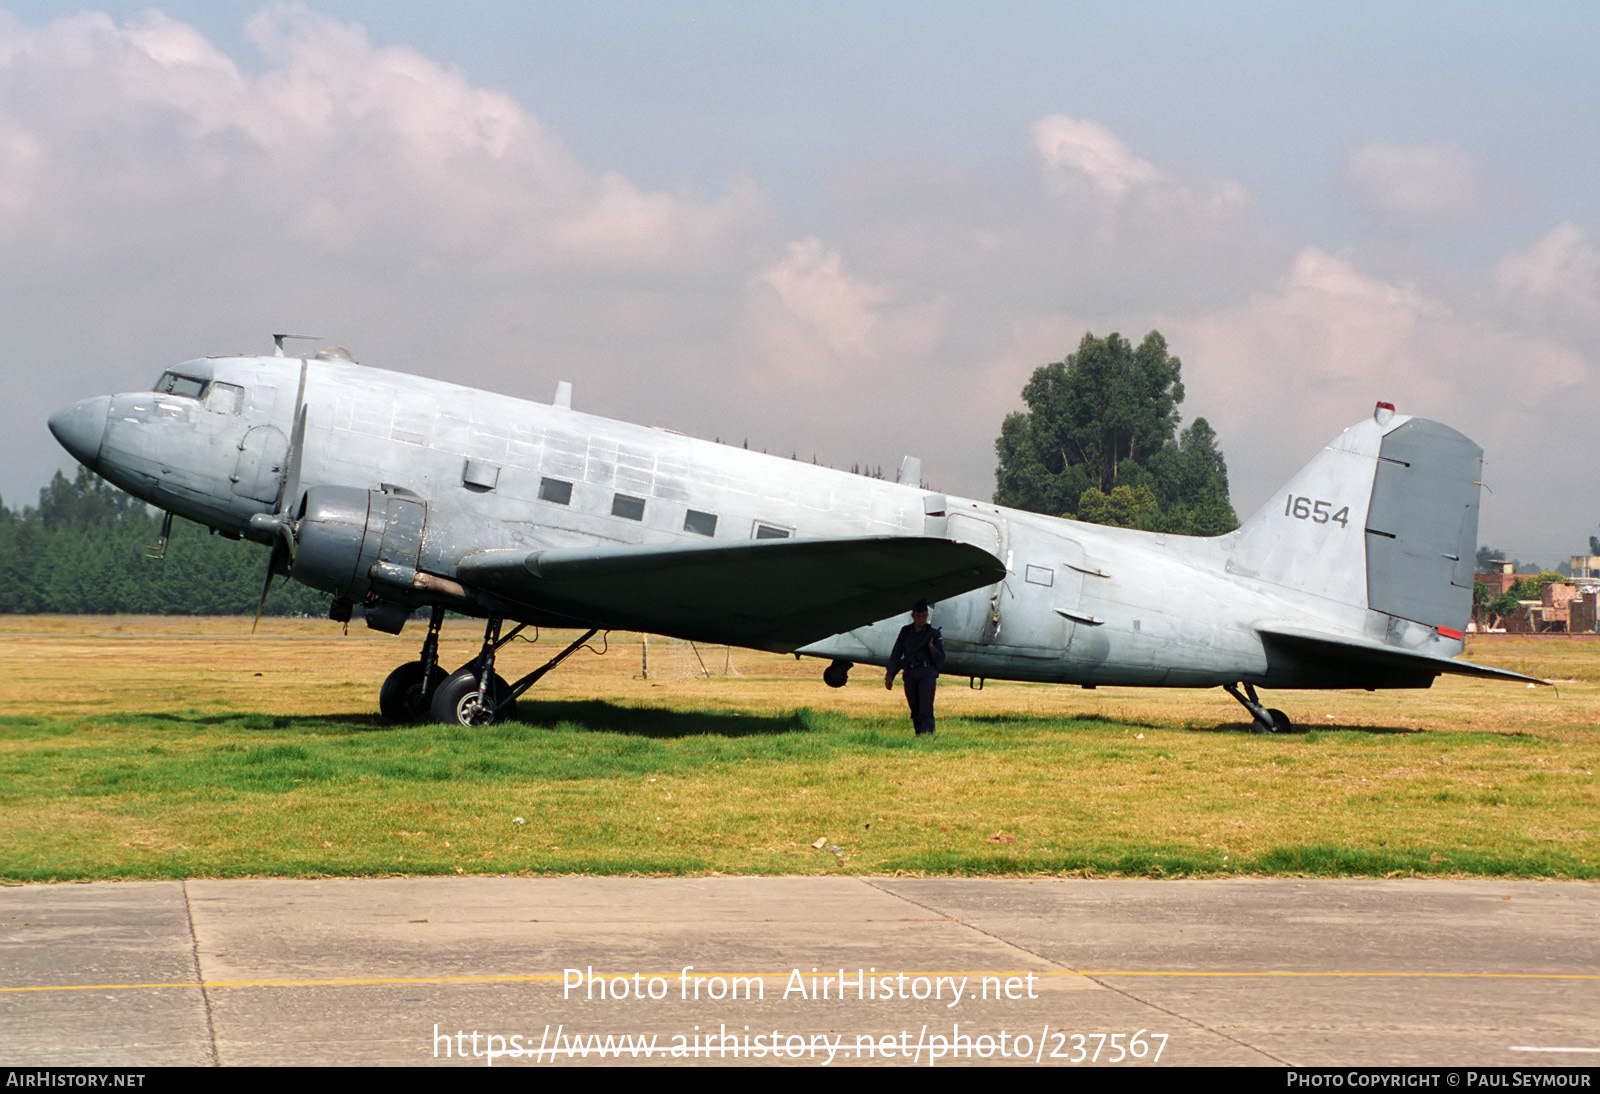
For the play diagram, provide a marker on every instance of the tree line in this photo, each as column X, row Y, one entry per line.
column 84, row 548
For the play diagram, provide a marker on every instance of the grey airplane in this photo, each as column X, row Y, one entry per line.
column 400, row 494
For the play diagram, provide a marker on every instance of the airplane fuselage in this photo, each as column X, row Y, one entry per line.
column 475, row 471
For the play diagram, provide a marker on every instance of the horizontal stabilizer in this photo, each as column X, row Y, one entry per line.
column 768, row 594
column 1365, row 660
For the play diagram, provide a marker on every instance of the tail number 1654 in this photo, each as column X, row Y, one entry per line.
column 1318, row 512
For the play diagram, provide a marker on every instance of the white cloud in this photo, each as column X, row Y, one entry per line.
column 1294, row 362
column 1078, row 147
column 1556, row 282
column 1418, row 184
column 812, row 283
column 338, row 147
column 1075, row 151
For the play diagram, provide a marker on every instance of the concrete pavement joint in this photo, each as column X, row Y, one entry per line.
column 1095, row 977
column 200, row 978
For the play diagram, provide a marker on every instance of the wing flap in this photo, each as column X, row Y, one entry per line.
column 768, row 594
column 1364, row 655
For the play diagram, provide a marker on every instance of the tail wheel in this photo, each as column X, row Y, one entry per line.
column 458, row 701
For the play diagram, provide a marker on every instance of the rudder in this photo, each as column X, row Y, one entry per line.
column 1422, row 525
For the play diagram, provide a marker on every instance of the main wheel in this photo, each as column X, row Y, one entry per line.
column 837, row 674
column 1280, row 720
column 401, row 699
column 459, row 702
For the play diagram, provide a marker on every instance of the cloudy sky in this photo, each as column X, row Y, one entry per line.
column 835, row 229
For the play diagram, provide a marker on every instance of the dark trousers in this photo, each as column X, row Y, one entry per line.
column 920, row 684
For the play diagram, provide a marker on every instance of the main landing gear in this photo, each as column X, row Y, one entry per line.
column 1267, row 720
column 473, row 695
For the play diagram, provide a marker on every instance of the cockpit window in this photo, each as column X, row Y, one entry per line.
column 224, row 398
column 173, row 384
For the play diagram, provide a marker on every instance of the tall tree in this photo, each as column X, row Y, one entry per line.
column 1104, row 419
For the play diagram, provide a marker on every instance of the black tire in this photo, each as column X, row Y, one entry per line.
column 401, row 701
column 458, row 702
column 1280, row 721
column 837, row 675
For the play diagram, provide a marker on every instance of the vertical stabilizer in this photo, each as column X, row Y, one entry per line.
column 1385, row 517
column 1310, row 535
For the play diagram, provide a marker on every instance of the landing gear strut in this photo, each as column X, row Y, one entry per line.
column 407, row 695
column 1267, row 720
column 476, row 695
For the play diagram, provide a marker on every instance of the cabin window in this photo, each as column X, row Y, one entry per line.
column 554, row 490
column 627, row 507
column 173, row 384
column 701, row 524
column 480, row 474
column 1041, row 575
column 771, row 531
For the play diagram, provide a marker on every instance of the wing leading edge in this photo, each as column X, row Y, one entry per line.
column 1363, row 663
column 775, row 594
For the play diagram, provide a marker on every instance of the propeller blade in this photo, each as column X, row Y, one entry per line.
column 297, row 447
column 277, row 563
column 262, row 603
column 282, row 523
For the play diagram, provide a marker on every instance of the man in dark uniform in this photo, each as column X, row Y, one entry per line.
column 918, row 651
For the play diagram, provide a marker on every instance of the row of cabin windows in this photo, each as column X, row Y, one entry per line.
column 559, row 492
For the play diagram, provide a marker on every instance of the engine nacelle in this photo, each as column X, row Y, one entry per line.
column 344, row 530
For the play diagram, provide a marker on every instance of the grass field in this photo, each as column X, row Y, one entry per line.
column 135, row 747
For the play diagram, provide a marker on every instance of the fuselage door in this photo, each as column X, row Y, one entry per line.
column 1040, row 589
column 975, row 616
column 262, row 456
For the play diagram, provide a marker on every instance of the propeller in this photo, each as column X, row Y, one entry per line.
column 282, row 523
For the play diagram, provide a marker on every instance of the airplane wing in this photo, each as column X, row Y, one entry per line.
column 1363, row 659
column 771, row 594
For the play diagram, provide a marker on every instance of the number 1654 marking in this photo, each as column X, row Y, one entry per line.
column 1318, row 512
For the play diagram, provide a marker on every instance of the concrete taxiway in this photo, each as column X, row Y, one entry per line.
column 435, row 970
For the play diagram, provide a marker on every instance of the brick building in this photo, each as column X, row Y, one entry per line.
column 1563, row 607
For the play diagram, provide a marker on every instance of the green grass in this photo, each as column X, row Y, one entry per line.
column 610, row 788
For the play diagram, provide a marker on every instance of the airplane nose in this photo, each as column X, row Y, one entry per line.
column 81, row 427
